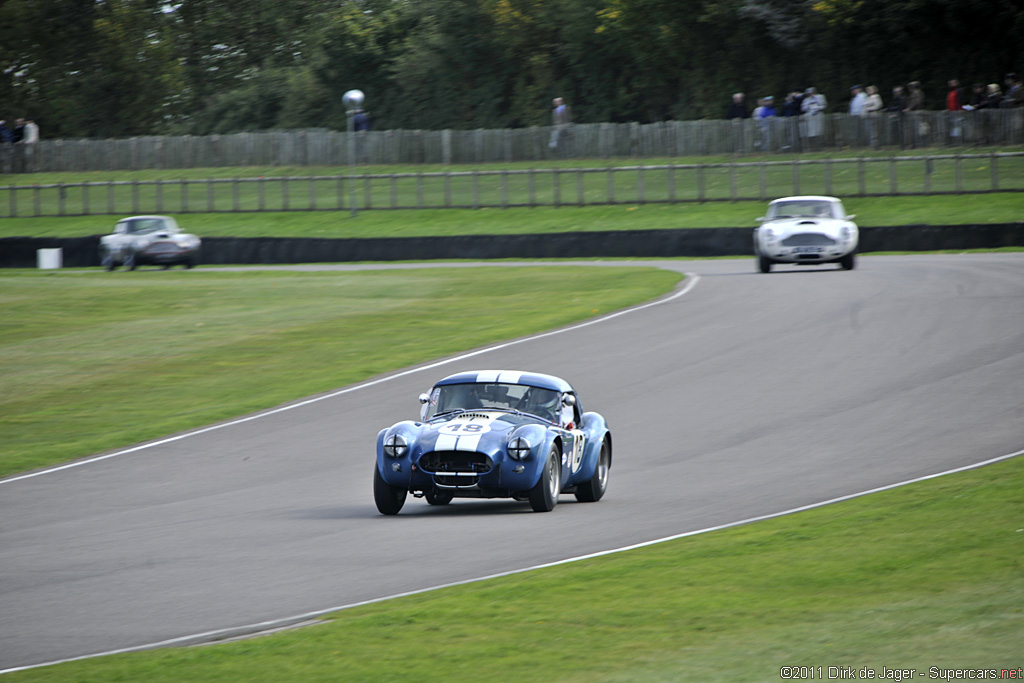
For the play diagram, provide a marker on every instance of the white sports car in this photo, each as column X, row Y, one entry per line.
column 806, row 230
column 156, row 240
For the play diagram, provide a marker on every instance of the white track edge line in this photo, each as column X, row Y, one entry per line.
column 691, row 281
column 254, row 629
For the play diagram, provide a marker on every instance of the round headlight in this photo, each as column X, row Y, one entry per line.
column 518, row 448
column 395, row 445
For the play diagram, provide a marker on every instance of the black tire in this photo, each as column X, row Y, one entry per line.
column 107, row 261
column 764, row 263
column 591, row 490
column 389, row 499
column 544, row 496
column 437, row 496
column 130, row 262
column 848, row 262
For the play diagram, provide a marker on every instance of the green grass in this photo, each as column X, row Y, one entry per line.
column 870, row 211
column 308, row 188
column 90, row 362
column 928, row 575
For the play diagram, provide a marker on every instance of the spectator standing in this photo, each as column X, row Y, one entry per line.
column 738, row 108
column 17, row 135
column 1014, row 91
column 872, row 105
column 561, row 120
column 993, row 97
column 6, row 147
column 954, row 96
column 790, row 111
column 858, row 101
column 897, row 107
column 764, row 115
column 915, row 99
column 361, row 126
column 736, row 113
column 360, row 120
column 919, row 128
column 813, row 107
column 31, row 137
column 954, row 109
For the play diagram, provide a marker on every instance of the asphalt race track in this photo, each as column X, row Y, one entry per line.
column 749, row 394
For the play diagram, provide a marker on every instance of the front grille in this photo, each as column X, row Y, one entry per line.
column 440, row 462
column 808, row 239
column 163, row 248
column 452, row 481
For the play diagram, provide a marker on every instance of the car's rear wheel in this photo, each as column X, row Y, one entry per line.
column 544, row 496
column 436, row 496
column 389, row 499
column 764, row 263
column 591, row 491
column 849, row 261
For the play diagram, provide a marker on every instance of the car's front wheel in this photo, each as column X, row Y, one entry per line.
column 107, row 260
column 848, row 262
column 389, row 499
column 544, row 496
column 764, row 263
column 591, row 491
column 130, row 262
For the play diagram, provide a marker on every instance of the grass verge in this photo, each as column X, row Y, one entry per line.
column 926, row 577
column 90, row 362
column 870, row 211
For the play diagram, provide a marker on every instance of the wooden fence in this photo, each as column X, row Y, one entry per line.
column 633, row 184
column 318, row 147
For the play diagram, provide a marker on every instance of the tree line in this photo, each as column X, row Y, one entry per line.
column 116, row 68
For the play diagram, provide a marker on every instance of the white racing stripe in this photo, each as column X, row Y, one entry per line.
column 446, row 442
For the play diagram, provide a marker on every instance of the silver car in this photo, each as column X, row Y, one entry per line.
column 806, row 230
column 156, row 240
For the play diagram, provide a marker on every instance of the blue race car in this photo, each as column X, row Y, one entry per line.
column 494, row 434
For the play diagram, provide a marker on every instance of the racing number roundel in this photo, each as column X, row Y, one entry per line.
column 463, row 428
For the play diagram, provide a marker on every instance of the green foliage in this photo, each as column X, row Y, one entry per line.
column 126, row 67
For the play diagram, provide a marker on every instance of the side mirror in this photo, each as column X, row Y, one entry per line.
column 568, row 400
column 424, row 398
column 851, row 216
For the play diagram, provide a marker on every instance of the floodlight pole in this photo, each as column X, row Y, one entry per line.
column 353, row 100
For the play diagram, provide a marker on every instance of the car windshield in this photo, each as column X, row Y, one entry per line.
column 543, row 403
column 802, row 208
column 144, row 226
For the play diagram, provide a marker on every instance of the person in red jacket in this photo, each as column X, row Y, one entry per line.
column 954, row 98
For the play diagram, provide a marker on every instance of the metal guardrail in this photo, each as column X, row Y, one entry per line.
column 634, row 184
column 319, row 147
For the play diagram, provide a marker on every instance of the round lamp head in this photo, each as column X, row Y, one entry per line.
column 353, row 99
